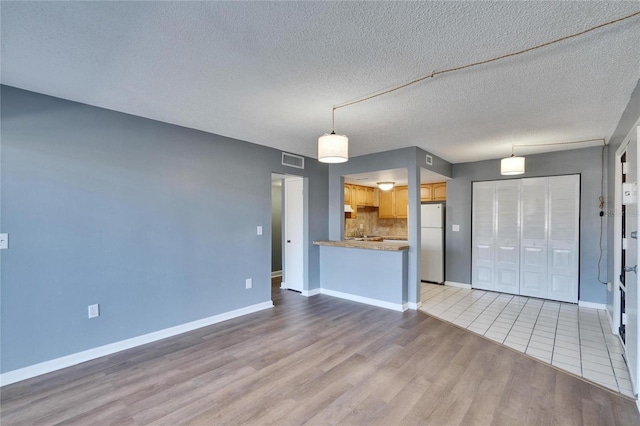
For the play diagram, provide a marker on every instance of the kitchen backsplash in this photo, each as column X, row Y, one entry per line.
column 368, row 216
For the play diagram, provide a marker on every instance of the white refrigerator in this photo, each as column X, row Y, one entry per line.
column 432, row 242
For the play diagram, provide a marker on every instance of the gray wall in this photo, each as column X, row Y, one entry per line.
column 627, row 120
column 155, row 222
column 413, row 159
column 276, row 228
column 585, row 161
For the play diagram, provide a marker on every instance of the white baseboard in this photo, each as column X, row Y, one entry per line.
column 592, row 305
column 309, row 293
column 79, row 357
column 365, row 300
column 276, row 274
column 413, row 306
column 459, row 285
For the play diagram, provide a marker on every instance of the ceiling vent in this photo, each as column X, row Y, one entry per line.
column 292, row 160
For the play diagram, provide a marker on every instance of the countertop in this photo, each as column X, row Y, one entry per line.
column 367, row 244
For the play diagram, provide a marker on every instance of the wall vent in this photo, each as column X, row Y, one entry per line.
column 429, row 160
column 292, row 160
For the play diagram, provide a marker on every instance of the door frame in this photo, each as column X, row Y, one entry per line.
column 617, row 229
column 303, row 237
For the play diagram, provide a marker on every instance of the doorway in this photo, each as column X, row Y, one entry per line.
column 626, row 297
column 288, row 236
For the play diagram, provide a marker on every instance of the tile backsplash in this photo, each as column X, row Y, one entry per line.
column 372, row 225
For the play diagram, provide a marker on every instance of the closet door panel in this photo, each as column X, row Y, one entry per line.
column 507, row 214
column 533, row 242
column 483, row 239
column 563, row 242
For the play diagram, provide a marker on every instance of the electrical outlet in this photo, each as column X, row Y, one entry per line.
column 455, row 228
column 94, row 311
column 248, row 283
column 259, row 230
column 362, row 226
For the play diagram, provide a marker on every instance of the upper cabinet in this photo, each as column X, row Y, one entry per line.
column 433, row 191
column 386, row 200
column 393, row 203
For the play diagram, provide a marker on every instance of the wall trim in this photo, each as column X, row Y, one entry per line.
column 593, row 305
column 309, row 293
column 100, row 351
column 276, row 274
column 459, row 285
column 413, row 306
column 365, row 300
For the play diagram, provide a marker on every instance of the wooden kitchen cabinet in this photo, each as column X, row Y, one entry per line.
column 393, row 203
column 351, row 198
column 386, row 204
column 433, row 191
column 440, row 191
column 361, row 192
column 401, row 201
column 371, row 196
column 426, row 192
column 357, row 195
column 347, row 193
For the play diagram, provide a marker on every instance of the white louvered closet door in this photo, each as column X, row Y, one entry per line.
column 533, row 241
column 483, row 237
column 507, row 247
column 525, row 237
column 563, row 239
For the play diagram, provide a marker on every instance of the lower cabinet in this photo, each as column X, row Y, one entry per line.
column 525, row 237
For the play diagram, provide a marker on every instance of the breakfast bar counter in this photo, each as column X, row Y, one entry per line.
column 372, row 272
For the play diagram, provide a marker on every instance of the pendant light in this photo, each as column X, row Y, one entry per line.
column 333, row 148
column 512, row 165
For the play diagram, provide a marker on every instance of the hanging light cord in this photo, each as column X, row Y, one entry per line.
column 486, row 61
column 601, row 207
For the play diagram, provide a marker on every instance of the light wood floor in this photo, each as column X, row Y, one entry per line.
column 316, row 360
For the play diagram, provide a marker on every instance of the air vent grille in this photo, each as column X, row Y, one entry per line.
column 292, row 160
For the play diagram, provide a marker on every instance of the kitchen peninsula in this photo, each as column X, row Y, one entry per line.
column 372, row 272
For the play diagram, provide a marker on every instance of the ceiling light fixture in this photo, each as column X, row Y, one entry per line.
column 333, row 148
column 512, row 165
column 385, row 186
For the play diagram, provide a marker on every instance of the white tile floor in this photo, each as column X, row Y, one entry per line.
column 572, row 338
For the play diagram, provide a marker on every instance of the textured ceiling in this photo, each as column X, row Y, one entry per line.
column 270, row 72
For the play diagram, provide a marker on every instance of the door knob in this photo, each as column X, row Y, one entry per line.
column 288, row 241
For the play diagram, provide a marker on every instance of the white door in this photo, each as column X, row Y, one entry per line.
column 631, row 259
column 563, row 247
column 293, row 276
column 483, row 238
column 533, row 242
column 507, row 251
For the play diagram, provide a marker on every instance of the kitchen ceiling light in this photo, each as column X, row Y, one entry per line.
column 385, row 186
column 512, row 165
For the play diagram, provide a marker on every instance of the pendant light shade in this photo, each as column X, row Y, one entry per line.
column 385, row 186
column 333, row 148
column 512, row 165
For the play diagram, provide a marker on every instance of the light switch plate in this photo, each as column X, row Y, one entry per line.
column 455, row 228
column 259, row 230
column 94, row 311
column 4, row 241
